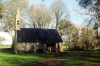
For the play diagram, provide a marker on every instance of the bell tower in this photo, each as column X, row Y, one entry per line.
column 17, row 27
column 18, row 20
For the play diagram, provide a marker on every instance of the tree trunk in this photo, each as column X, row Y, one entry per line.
column 56, row 23
column 15, row 43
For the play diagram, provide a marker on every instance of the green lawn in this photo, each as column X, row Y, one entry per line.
column 81, row 58
column 71, row 58
column 8, row 58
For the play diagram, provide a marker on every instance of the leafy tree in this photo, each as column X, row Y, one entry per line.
column 63, row 26
column 87, row 39
column 66, row 30
column 75, row 36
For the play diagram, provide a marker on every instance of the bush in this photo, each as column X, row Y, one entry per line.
column 76, row 48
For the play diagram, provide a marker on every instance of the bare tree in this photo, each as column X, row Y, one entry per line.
column 31, row 14
column 9, row 15
column 59, row 10
column 1, row 5
column 10, row 8
column 42, row 16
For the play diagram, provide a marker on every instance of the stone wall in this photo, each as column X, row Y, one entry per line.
column 61, row 47
column 36, row 47
column 26, row 47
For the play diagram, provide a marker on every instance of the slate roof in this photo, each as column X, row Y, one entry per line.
column 44, row 36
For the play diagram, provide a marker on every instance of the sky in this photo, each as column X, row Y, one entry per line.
column 72, row 5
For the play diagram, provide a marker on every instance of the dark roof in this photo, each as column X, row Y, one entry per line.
column 38, row 35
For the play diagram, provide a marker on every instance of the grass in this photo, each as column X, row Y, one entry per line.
column 8, row 58
column 81, row 58
column 1, row 46
column 71, row 58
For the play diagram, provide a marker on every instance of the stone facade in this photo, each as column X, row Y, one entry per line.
column 26, row 47
column 35, row 47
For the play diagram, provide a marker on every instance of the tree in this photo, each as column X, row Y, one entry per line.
column 83, row 37
column 69, row 34
column 10, row 8
column 87, row 39
column 59, row 10
column 9, row 18
column 42, row 16
column 75, row 36
column 31, row 16
column 66, row 30
column 93, row 7
column 1, row 4
column 2, row 39
column 63, row 26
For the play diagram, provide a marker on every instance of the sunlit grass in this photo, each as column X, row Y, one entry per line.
column 1, row 46
column 8, row 58
column 71, row 58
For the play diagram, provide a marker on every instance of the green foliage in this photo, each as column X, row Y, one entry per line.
column 75, row 36
column 87, row 38
column 65, row 46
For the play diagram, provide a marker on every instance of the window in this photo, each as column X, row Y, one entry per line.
column 17, row 22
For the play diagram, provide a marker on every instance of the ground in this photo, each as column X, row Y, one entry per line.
column 69, row 58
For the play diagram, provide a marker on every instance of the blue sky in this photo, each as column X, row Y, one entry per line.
column 72, row 6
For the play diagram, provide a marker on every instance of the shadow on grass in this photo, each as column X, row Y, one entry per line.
column 83, row 58
column 71, row 58
column 8, row 51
